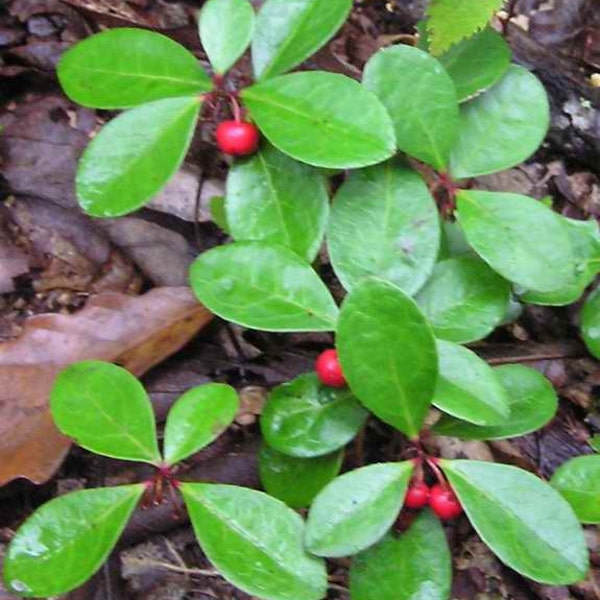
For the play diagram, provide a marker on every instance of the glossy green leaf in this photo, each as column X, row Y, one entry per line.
column 65, row 541
column 578, row 481
column 495, row 131
column 305, row 418
column 518, row 237
column 533, row 403
column 255, row 541
column 134, row 156
column 322, row 119
column 388, row 354
column 124, row 67
column 218, row 214
column 464, row 299
column 105, row 409
column 453, row 241
column 273, row 198
column 398, row 223
column 421, row 99
column 590, row 323
column 356, row 509
column 197, row 418
column 523, row 520
column 594, row 443
column 296, row 481
column 263, row 286
column 415, row 565
column 289, row 32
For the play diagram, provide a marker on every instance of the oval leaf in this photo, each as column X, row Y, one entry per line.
column 523, row 520
column 124, row 67
column 263, row 286
column 590, row 323
column 197, row 418
column 322, row 119
column 105, row 409
column 65, row 541
column 388, row 354
column 356, row 509
column 255, row 542
column 398, row 223
column 134, row 156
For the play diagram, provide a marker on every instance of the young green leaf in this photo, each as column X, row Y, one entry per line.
column 305, row 418
column 322, row 119
column 255, row 542
column 356, row 509
column 296, row 481
column 289, row 32
column 421, row 99
column 273, row 198
column 399, row 228
column 523, row 520
column 105, row 409
column 218, row 214
column 263, row 286
column 388, row 354
column 134, row 156
column 124, row 67
column 590, row 323
column 65, row 541
column 518, row 237
column 464, row 299
column 495, row 131
column 416, row 565
column 197, row 418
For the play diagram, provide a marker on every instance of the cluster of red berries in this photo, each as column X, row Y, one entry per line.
column 440, row 497
column 237, row 137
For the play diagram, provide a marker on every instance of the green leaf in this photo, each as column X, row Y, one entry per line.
column 356, row 509
column 453, row 241
column 296, row 481
column 388, row 354
column 322, row 119
column 464, row 299
column 273, row 198
column 477, row 63
column 105, row 409
column 134, row 156
column 120, row 68
column 590, row 323
column 255, row 541
column 594, row 443
column 523, row 520
column 421, row 99
column 263, row 286
column 197, row 418
column 289, row 32
column 495, row 131
column 518, row 237
column 218, row 214
column 578, row 481
column 398, row 223
column 65, row 541
column 532, row 400
column 414, row 566
column 305, row 418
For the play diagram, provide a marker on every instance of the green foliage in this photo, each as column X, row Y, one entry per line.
column 590, row 323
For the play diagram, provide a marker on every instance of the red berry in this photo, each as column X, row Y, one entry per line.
column 417, row 495
column 444, row 503
column 238, row 138
column 329, row 370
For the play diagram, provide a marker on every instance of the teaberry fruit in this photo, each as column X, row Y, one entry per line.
column 417, row 495
column 238, row 138
column 329, row 370
column 444, row 502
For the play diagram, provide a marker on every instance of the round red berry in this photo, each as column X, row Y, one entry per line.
column 238, row 138
column 444, row 502
column 329, row 370
column 417, row 495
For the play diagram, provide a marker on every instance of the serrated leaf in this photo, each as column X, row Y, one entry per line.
column 263, row 286
column 356, row 509
column 590, row 323
column 323, row 119
column 124, row 67
column 65, row 541
column 421, row 99
column 289, row 32
column 388, row 354
column 399, row 228
column 134, row 156
column 523, row 520
column 105, row 409
column 255, row 541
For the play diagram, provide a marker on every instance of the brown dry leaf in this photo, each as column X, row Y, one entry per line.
column 136, row 332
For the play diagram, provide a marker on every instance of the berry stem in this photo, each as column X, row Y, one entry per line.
column 432, row 462
column 235, row 107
